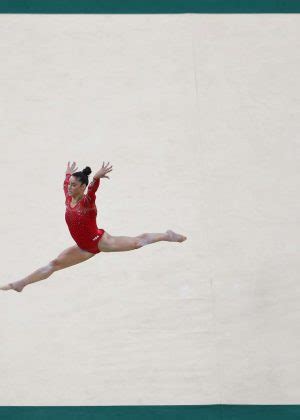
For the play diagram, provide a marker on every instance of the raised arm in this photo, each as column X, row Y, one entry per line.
column 69, row 171
column 92, row 188
column 66, row 184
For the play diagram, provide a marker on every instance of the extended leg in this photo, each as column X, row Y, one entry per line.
column 110, row 243
column 70, row 256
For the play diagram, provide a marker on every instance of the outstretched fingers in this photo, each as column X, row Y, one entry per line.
column 105, row 169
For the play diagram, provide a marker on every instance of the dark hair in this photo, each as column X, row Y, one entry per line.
column 82, row 176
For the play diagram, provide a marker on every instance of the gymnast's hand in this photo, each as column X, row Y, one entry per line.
column 71, row 169
column 103, row 171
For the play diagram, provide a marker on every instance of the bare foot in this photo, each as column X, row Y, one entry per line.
column 175, row 237
column 12, row 286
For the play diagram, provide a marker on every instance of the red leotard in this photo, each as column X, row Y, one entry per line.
column 81, row 219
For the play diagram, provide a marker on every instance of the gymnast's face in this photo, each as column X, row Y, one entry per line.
column 75, row 188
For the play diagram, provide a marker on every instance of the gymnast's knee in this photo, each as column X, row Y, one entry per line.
column 51, row 267
column 47, row 270
column 141, row 240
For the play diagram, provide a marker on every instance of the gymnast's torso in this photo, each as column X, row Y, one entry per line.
column 81, row 217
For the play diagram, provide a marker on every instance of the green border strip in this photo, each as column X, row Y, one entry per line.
column 149, row 6
column 153, row 412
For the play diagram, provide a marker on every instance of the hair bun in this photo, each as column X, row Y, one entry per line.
column 87, row 170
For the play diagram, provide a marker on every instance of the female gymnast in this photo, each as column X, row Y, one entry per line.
column 80, row 217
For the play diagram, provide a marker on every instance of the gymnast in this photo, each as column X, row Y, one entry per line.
column 80, row 216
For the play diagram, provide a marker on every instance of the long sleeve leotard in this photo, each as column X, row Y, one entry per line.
column 81, row 218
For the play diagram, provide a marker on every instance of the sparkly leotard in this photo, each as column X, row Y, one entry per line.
column 81, row 219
